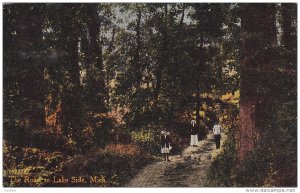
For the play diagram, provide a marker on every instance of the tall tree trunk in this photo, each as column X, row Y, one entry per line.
column 174, row 67
column 259, row 41
column 135, row 105
column 198, row 89
column 71, row 101
column 108, row 69
column 289, row 12
column 136, row 60
column 30, row 66
column 163, row 59
column 71, row 94
column 95, row 77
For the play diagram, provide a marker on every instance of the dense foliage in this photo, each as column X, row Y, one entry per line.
column 88, row 87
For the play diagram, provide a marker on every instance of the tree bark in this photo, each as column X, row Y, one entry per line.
column 259, row 41
column 71, row 93
column 30, row 67
column 95, row 76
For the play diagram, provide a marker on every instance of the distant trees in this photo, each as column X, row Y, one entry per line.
column 209, row 23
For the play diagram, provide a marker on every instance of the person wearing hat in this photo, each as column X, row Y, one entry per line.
column 165, row 143
column 217, row 133
column 194, row 134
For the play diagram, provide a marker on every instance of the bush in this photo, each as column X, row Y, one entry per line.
column 147, row 140
column 121, row 149
column 222, row 172
column 40, row 163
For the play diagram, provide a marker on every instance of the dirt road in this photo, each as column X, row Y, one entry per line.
column 186, row 170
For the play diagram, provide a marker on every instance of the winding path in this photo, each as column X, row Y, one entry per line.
column 186, row 170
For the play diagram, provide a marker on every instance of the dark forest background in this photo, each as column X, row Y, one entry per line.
column 88, row 87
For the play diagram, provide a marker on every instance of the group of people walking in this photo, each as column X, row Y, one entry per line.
column 165, row 139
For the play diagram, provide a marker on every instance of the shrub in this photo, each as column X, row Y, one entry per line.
column 40, row 163
column 121, row 149
column 147, row 140
column 222, row 172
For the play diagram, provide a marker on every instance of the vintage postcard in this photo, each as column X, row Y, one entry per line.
column 150, row 95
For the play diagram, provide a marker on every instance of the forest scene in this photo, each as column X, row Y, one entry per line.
column 90, row 90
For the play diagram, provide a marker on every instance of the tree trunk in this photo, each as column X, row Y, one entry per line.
column 257, row 53
column 198, row 100
column 136, row 60
column 182, row 17
column 71, row 93
column 135, row 104
column 108, row 69
column 289, row 11
column 95, row 77
column 287, row 36
column 163, row 59
column 71, row 101
column 30, row 66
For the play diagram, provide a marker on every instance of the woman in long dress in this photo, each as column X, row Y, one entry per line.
column 165, row 143
column 194, row 133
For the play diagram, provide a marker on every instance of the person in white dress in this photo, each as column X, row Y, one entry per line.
column 194, row 133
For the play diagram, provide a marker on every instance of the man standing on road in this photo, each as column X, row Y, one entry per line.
column 217, row 133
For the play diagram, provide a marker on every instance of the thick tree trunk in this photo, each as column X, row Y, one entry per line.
column 71, row 92
column 259, row 41
column 95, row 76
column 30, row 66
column 71, row 101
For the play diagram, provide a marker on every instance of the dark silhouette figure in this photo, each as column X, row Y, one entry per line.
column 165, row 143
